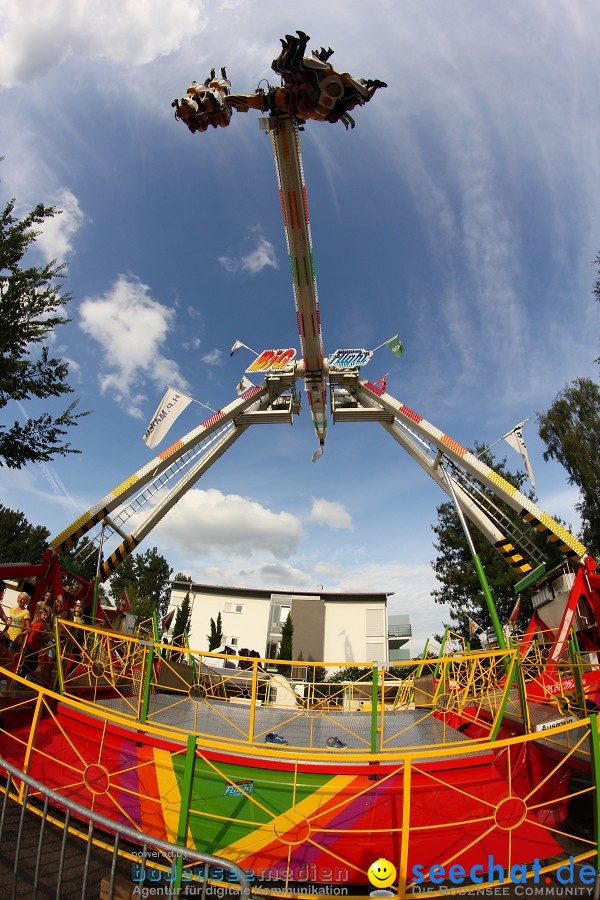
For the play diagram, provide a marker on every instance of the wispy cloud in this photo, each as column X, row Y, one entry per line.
column 129, row 32
column 213, row 358
column 56, row 235
column 254, row 262
column 131, row 329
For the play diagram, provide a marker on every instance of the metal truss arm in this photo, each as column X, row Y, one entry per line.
column 469, row 508
column 168, row 502
column 177, row 456
column 294, row 206
column 369, row 395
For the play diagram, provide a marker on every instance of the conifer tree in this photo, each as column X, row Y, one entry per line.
column 31, row 308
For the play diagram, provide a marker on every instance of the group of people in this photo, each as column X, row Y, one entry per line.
column 25, row 639
column 245, row 663
column 204, row 104
column 311, row 89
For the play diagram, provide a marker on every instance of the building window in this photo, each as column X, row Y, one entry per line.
column 233, row 607
column 375, row 623
column 233, row 641
column 375, row 653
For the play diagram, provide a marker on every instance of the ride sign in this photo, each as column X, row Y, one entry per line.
column 272, row 360
column 349, row 359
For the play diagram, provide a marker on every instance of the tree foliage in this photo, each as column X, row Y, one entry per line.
column 82, row 558
column 215, row 638
column 570, row 430
column 460, row 587
column 20, row 541
column 145, row 577
column 351, row 673
column 286, row 645
column 31, row 307
column 183, row 617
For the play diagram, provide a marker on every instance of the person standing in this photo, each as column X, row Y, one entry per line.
column 35, row 640
column 18, row 629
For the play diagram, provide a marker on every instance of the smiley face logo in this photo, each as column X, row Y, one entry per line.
column 381, row 873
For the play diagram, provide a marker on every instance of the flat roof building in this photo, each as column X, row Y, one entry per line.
column 332, row 627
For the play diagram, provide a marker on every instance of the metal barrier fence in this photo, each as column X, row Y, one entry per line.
column 144, row 854
column 172, row 744
column 154, row 683
column 433, row 805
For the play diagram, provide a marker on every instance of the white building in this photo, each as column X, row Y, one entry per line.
column 334, row 628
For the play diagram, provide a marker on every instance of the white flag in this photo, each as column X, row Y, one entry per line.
column 515, row 439
column 244, row 385
column 169, row 408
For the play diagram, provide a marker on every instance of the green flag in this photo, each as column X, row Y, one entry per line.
column 395, row 345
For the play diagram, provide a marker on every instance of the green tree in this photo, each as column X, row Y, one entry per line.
column 20, row 541
column 215, row 638
column 351, row 673
column 286, row 645
column 31, row 303
column 183, row 617
column 82, row 558
column 146, row 578
column 571, row 432
column 459, row 587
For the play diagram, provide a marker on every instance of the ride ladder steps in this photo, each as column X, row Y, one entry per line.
column 176, row 469
column 518, row 536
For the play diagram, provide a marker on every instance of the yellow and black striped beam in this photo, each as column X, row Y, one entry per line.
column 113, row 562
column 512, row 556
column 554, row 535
column 67, row 538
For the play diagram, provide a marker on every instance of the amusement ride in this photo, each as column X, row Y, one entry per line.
column 470, row 755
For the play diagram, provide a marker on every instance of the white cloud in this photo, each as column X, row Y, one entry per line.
column 213, row 358
column 194, row 344
column 207, row 521
column 328, row 569
column 263, row 255
column 55, row 237
column 131, row 329
column 278, row 574
column 128, row 32
column 326, row 512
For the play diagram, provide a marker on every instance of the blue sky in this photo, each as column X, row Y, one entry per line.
column 462, row 213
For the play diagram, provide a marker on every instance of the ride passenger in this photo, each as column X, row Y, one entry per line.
column 75, row 656
column 18, row 629
column 60, row 611
column 36, row 638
